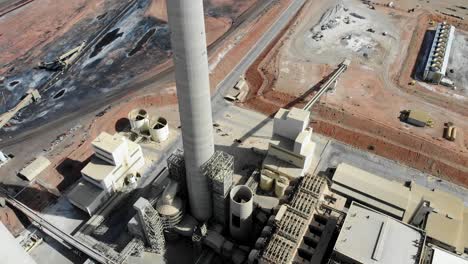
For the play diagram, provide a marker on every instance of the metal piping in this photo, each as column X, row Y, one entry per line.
column 186, row 19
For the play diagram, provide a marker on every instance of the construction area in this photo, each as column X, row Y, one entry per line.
column 221, row 131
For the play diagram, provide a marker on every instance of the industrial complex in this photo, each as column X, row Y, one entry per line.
column 233, row 131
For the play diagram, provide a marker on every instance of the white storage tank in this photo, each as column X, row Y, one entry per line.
column 241, row 208
column 281, row 185
column 139, row 120
column 266, row 183
column 159, row 130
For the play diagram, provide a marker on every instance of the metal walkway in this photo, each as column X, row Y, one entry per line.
column 342, row 68
column 56, row 233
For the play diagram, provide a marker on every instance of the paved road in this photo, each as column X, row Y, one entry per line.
column 231, row 79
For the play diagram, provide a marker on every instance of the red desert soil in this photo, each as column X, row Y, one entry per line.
column 158, row 9
column 40, row 23
column 431, row 155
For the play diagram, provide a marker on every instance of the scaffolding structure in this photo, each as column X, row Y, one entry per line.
column 153, row 227
column 219, row 170
column 176, row 166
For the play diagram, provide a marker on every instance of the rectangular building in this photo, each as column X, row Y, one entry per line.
column 371, row 237
column 444, row 216
column 437, row 61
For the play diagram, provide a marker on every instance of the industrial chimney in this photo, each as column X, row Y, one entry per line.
column 186, row 20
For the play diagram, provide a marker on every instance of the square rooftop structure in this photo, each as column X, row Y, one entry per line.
column 290, row 123
column 111, row 148
column 291, row 149
column 418, row 118
column 87, row 196
column 101, row 173
column 370, row 237
column 290, row 158
column 114, row 157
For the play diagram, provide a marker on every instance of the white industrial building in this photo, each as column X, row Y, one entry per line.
column 443, row 216
column 290, row 150
column 371, row 237
column 114, row 158
column 437, row 61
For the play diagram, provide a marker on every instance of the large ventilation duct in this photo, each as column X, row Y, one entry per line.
column 241, row 208
column 186, row 20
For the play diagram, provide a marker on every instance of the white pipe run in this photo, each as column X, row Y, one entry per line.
column 186, row 20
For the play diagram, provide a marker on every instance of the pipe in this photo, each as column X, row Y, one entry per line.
column 186, row 20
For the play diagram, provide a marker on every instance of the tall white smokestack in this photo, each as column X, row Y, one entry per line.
column 186, row 20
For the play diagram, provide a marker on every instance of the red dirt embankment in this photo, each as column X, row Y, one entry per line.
column 391, row 143
column 253, row 34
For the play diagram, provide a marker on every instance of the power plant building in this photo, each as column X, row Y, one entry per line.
column 371, row 237
column 443, row 216
column 114, row 158
column 291, row 149
column 437, row 61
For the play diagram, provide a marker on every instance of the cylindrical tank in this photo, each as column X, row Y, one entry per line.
column 186, row 20
column 266, row 231
column 159, row 130
column 448, row 132
column 169, row 206
column 241, row 208
column 253, row 256
column 281, row 185
column 266, row 183
column 260, row 243
column 453, row 135
column 139, row 119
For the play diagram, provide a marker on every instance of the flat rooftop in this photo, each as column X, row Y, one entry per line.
column 443, row 257
column 419, row 116
column 97, row 169
column 371, row 237
column 35, row 168
column 84, row 194
column 371, row 189
column 107, row 142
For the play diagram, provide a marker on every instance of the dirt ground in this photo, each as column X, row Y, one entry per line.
column 363, row 110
